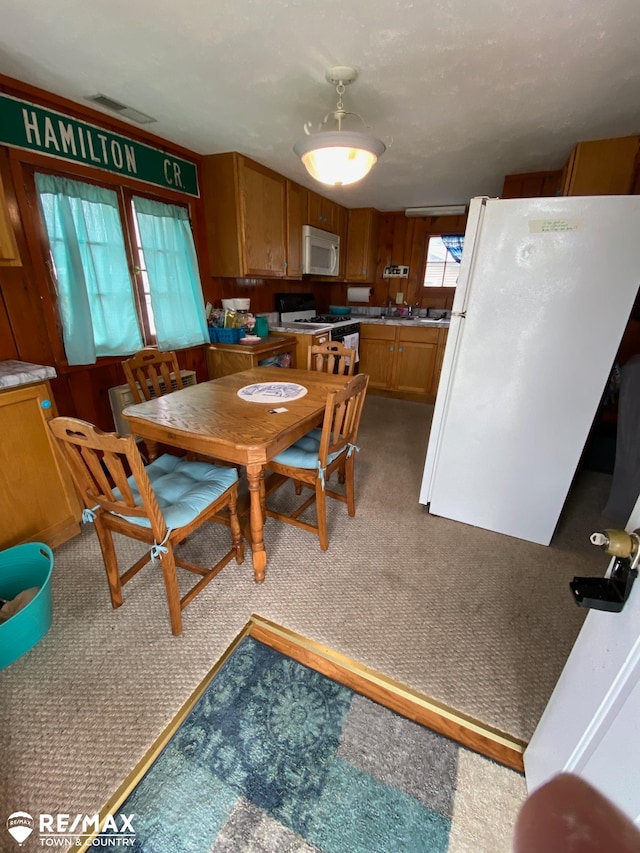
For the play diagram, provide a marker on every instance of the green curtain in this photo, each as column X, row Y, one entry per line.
column 95, row 294
column 171, row 264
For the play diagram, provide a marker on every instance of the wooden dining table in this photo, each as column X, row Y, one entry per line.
column 211, row 419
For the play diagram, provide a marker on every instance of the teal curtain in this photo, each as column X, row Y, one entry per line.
column 95, row 294
column 170, row 259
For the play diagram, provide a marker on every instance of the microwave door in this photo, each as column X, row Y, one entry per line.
column 321, row 258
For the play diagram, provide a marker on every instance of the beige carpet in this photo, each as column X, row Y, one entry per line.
column 473, row 619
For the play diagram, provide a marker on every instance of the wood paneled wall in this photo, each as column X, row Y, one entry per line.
column 29, row 326
column 403, row 241
column 28, row 319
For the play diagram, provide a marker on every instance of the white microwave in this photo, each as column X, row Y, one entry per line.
column 320, row 251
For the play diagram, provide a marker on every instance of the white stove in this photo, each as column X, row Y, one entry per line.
column 297, row 310
column 318, row 322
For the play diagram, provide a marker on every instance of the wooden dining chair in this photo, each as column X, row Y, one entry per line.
column 331, row 357
column 313, row 458
column 150, row 373
column 160, row 504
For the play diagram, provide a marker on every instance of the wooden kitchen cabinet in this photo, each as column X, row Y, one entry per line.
column 9, row 255
column 323, row 213
column 402, row 360
column 246, row 217
column 302, row 343
column 297, row 205
column 362, row 245
column 601, row 167
column 38, row 502
column 532, row 185
column 223, row 359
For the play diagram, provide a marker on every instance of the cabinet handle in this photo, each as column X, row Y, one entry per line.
column 399, row 349
column 46, row 404
column 390, row 349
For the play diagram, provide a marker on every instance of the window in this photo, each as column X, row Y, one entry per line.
column 443, row 261
column 105, row 310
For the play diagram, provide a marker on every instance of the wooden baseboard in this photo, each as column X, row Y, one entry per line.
column 434, row 715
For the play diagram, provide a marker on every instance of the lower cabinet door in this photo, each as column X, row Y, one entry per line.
column 38, row 502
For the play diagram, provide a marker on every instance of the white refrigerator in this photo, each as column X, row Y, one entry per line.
column 545, row 289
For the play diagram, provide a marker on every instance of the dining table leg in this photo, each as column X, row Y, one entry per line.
column 255, row 480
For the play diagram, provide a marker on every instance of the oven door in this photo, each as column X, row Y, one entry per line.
column 348, row 336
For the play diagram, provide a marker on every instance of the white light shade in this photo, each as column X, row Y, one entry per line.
column 340, row 157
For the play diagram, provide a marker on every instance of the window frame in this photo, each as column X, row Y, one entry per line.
column 440, row 288
column 125, row 191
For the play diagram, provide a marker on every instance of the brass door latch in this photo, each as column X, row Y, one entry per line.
column 610, row 593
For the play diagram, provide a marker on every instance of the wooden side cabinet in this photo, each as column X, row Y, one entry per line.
column 38, row 502
column 401, row 360
column 223, row 359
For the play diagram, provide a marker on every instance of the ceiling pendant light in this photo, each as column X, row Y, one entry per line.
column 338, row 157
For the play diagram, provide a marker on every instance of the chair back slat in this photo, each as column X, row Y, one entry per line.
column 331, row 357
column 150, row 373
column 101, row 462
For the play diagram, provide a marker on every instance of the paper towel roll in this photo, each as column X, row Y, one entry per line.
column 358, row 294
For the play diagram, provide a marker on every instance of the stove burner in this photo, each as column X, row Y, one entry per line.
column 326, row 318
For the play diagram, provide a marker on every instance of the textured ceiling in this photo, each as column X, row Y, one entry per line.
column 466, row 91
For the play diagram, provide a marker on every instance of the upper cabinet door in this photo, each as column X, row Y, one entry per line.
column 245, row 214
column 297, row 204
column 362, row 245
column 323, row 213
column 263, row 204
column 601, row 167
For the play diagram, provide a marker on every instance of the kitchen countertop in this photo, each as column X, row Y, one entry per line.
column 299, row 329
column 14, row 373
column 404, row 321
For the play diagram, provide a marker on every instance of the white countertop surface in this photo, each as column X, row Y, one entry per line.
column 299, row 329
column 13, row 373
column 403, row 321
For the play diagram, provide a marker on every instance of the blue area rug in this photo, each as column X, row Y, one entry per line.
column 277, row 757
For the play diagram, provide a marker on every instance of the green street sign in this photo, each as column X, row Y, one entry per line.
column 29, row 126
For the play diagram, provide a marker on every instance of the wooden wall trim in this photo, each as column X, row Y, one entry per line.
column 19, row 89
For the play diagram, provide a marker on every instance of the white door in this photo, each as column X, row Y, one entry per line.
column 591, row 725
column 547, row 293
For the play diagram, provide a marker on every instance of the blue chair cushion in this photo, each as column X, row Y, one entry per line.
column 184, row 488
column 304, row 453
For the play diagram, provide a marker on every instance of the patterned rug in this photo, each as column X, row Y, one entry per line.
column 275, row 756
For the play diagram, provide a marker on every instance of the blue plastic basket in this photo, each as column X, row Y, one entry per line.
column 230, row 336
column 22, row 567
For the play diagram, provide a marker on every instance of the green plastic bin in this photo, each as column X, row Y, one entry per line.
column 23, row 567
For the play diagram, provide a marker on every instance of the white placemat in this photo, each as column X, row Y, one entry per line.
column 271, row 392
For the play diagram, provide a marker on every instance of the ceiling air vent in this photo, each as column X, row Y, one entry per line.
column 121, row 109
